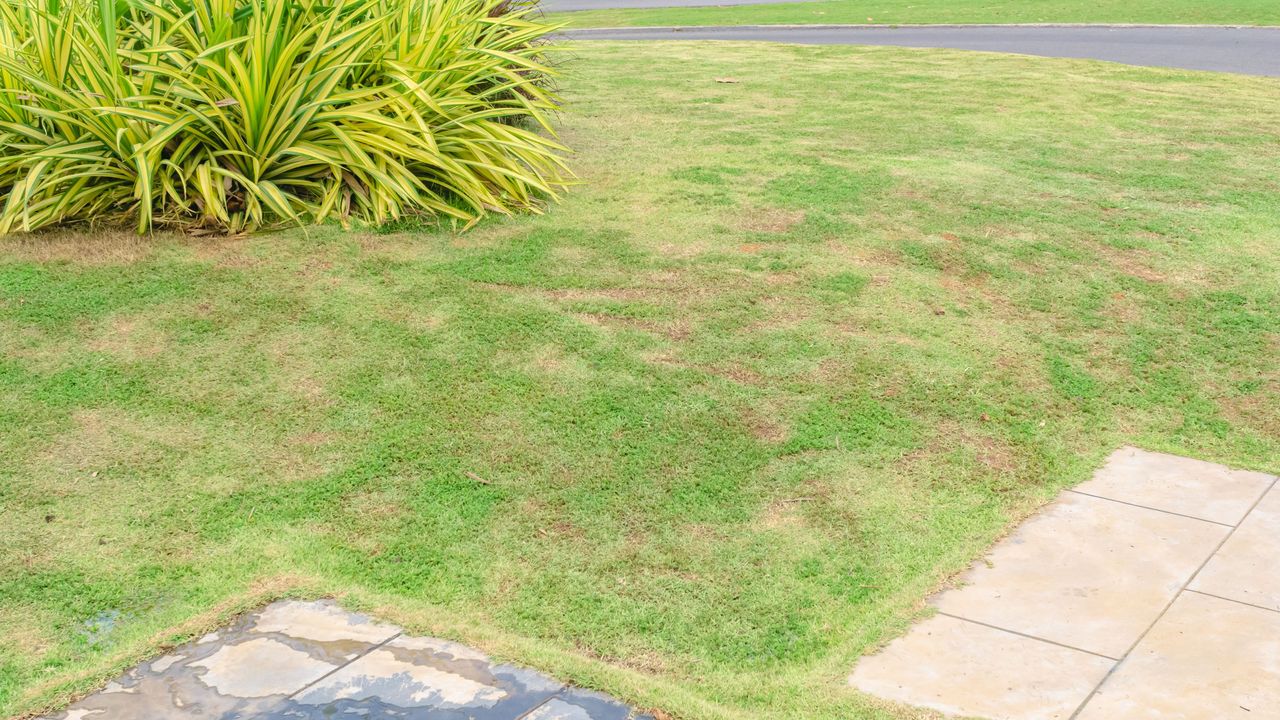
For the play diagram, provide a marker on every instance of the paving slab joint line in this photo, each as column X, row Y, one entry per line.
column 1232, row 600
column 532, row 710
column 1029, row 637
column 1148, row 507
column 358, row 656
column 1176, row 595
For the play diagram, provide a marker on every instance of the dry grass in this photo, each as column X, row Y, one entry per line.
column 774, row 371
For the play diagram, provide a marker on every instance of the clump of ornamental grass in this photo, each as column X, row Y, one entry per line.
column 240, row 114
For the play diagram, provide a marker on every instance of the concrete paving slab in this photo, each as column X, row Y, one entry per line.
column 323, row 621
column 557, row 709
column 237, row 672
column 1179, row 485
column 316, row 661
column 1247, row 568
column 1206, row 659
column 582, row 704
column 260, row 668
column 1184, row 604
column 962, row 668
column 430, row 674
column 147, row 698
column 1089, row 573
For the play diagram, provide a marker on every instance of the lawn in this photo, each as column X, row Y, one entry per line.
column 904, row 12
column 797, row 349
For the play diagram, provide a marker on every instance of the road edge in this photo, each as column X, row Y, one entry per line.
column 878, row 26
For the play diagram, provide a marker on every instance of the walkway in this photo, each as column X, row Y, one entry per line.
column 315, row 661
column 1151, row 591
column 1252, row 51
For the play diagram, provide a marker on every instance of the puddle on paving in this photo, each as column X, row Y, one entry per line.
column 315, row 661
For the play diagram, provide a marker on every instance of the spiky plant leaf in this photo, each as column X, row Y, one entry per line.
column 239, row 114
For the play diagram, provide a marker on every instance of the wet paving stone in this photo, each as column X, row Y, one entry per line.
column 435, row 678
column 577, row 704
column 315, row 661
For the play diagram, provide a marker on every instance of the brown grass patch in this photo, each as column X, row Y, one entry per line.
column 763, row 428
column 222, row 251
column 1257, row 410
column 677, row 330
column 704, row 532
column 994, row 455
column 103, row 437
column 780, row 279
column 735, row 373
column 644, row 661
column 783, row 514
column 877, row 335
column 84, row 247
column 23, row 635
column 572, row 255
column 1142, row 272
column 312, row 439
column 910, row 193
column 951, row 436
column 770, row 220
column 299, row 462
column 129, row 338
column 413, row 318
column 292, row 354
column 560, row 529
column 551, row 359
column 1134, row 263
column 310, row 388
column 616, row 294
column 1123, row 307
column 659, row 290
column 376, row 504
column 782, row 312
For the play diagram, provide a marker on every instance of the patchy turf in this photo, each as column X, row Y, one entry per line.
column 796, row 350
column 912, row 12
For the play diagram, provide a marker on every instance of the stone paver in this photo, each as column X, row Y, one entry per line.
column 315, row 661
column 578, row 704
column 1178, row 485
column 1245, row 569
column 429, row 674
column 993, row 673
column 1126, row 597
column 1206, row 658
column 1086, row 572
column 237, row 670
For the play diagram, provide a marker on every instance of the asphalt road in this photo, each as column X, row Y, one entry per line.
column 566, row 5
column 1251, row 51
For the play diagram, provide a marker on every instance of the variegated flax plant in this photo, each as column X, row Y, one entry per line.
column 234, row 115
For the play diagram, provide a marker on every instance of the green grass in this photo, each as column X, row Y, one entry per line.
column 905, row 12
column 795, row 351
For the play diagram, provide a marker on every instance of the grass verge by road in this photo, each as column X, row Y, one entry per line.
column 893, row 12
column 799, row 348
